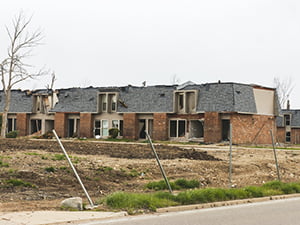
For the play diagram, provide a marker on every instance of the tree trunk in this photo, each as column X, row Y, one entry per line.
column 7, row 94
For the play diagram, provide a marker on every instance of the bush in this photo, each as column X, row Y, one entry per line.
column 12, row 134
column 113, row 133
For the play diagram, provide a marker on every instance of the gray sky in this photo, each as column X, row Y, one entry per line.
column 118, row 42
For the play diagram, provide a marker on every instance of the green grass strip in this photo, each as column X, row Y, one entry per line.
column 151, row 201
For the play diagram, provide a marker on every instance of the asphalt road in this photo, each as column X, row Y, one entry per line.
column 276, row 212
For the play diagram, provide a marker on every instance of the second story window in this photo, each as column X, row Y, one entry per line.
column 185, row 101
column 107, row 102
column 287, row 120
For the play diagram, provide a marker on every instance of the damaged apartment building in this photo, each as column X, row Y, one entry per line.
column 198, row 112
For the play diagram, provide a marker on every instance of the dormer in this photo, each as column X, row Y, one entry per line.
column 107, row 102
column 42, row 103
column 185, row 101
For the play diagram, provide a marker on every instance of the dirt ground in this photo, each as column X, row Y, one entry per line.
column 47, row 177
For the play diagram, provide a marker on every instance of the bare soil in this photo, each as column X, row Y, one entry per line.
column 108, row 167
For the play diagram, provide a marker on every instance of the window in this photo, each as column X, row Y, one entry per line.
column 288, row 136
column 113, row 103
column 185, row 101
column 287, row 120
column 115, row 124
column 104, row 128
column 104, row 103
column 177, row 128
column 121, row 128
column 107, row 102
column 181, row 101
column 97, row 128
column 11, row 124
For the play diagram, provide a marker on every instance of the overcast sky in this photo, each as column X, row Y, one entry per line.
column 121, row 42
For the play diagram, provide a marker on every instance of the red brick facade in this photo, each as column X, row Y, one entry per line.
column 60, row 124
column 131, row 124
column 22, row 123
column 295, row 135
column 212, row 127
column 160, row 126
column 252, row 129
column 86, row 125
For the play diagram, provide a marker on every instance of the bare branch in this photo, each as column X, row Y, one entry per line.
column 53, row 79
column 284, row 88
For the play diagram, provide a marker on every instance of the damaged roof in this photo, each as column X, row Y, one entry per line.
column 21, row 101
column 76, row 100
column 218, row 97
column 225, row 97
column 146, row 99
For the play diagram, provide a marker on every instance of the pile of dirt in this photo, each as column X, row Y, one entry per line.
column 116, row 150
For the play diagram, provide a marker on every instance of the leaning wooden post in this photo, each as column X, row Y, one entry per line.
column 74, row 170
column 275, row 156
column 230, row 155
column 158, row 162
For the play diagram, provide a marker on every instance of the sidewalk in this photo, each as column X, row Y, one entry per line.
column 53, row 217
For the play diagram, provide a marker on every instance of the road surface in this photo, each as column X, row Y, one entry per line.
column 277, row 212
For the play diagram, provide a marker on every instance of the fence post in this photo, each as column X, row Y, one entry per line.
column 158, row 162
column 230, row 155
column 275, row 156
column 74, row 170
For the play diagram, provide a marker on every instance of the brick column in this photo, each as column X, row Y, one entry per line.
column 86, row 125
column 160, row 126
column 60, row 124
column 212, row 127
column 130, row 126
column 22, row 124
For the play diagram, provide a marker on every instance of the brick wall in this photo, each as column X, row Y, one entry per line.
column 86, row 125
column 295, row 135
column 130, row 126
column 160, row 126
column 60, row 124
column 22, row 124
column 280, row 136
column 212, row 127
column 252, row 129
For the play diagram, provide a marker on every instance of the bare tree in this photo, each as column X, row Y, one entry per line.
column 13, row 68
column 284, row 89
column 53, row 79
column 175, row 79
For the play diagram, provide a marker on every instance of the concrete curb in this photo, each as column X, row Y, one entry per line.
column 55, row 217
column 224, row 203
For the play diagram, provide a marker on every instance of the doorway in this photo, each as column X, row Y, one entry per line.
column 225, row 130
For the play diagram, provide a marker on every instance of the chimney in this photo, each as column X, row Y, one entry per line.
column 288, row 106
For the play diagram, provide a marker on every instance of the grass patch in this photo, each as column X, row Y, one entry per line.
column 19, row 183
column 31, row 153
column 133, row 202
column 58, row 157
column 104, row 169
column 50, row 169
column 3, row 164
column 176, row 185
